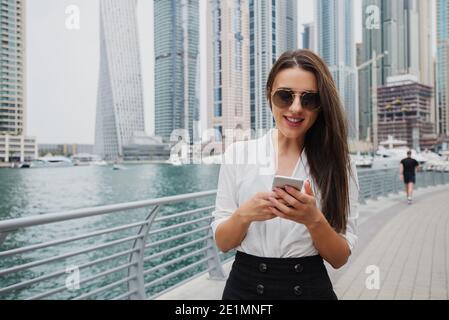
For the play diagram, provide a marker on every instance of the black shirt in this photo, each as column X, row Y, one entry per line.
column 409, row 165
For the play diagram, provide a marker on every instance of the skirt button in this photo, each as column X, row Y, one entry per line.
column 260, row 289
column 262, row 267
column 299, row 268
column 297, row 290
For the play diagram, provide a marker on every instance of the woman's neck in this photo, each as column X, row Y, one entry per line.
column 287, row 145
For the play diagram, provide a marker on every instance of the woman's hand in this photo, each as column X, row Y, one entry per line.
column 301, row 207
column 257, row 208
column 231, row 232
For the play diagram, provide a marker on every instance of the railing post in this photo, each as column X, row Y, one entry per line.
column 362, row 198
column 384, row 184
column 418, row 183
column 137, row 257
column 217, row 272
column 372, row 181
column 3, row 236
column 395, row 183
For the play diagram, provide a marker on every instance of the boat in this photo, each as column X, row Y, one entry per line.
column 175, row 162
column 86, row 159
column 216, row 159
column 99, row 163
column 50, row 162
column 435, row 162
column 24, row 165
column 362, row 161
column 118, row 167
column 391, row 152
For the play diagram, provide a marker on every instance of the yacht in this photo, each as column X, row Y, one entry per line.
column 391, row 152
column 435, row 162
column 362, row 161
column 85, row 159
column 51, row 162
column 215, row 159
column 118, row 167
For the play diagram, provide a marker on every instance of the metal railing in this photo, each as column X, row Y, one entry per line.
column 380, row 183
column 136, row 250
column 140, row 260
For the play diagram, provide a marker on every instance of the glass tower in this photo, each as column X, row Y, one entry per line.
column 336, row 45
column 443, row 66
column 272, row 30
column 12, row 68
column 120, row 110
column 176, row 25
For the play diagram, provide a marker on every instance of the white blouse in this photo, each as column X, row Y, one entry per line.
column 248, row 168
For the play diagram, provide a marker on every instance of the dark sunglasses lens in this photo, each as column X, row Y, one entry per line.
column 283, row 99
column 310, row 100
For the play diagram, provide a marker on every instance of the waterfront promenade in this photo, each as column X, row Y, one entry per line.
column 402, row 253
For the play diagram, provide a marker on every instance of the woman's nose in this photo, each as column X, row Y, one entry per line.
column 296, row 105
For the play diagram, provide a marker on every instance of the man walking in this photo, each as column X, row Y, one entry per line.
column 408, row 166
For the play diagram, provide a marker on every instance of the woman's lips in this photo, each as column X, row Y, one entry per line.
column 293, row 121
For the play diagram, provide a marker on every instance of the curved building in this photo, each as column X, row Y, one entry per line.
column 120, row 109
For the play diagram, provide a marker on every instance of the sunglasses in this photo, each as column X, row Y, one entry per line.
column 284, row 98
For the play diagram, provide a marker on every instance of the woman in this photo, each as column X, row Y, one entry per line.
column 282, row 236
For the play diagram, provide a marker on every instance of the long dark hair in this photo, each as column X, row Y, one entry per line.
column 326, row 142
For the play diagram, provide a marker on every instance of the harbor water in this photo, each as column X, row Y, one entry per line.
column 28, row 192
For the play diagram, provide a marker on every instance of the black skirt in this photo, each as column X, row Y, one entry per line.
column 258, row 278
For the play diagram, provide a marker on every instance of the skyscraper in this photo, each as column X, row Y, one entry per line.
column 442, row 73
column 176, row 25
column 426, row 70
column 120, row 110
column 13, row 67
column 308, row 36
column 372, row 44
column 228, row 65
column 404, row 30
column 272, row 30
column 336, row 45
column 14, row 144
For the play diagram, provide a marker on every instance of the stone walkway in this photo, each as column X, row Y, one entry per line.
column 409, row 254
column 402, row 253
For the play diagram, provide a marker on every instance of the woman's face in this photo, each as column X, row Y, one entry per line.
column 298, row 81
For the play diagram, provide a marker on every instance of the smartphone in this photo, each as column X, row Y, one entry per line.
column 281, row 182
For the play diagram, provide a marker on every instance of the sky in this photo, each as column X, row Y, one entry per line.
column 63, row 65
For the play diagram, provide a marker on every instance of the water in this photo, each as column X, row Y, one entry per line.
column 30, row 192
column 37, row 191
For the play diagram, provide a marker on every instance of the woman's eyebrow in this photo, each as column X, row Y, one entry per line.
column 288, row 88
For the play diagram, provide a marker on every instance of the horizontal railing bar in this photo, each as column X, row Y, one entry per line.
column 58, row 273
column 127, row 294
column 182, row 246
column 96, row 276
column 175, row 226
column 75, row 238
column 176, row 260
column 181, row 214
column 179, row 236
column 14, row 224
column 70, row 254
column 173, row 274
column 109, row 286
